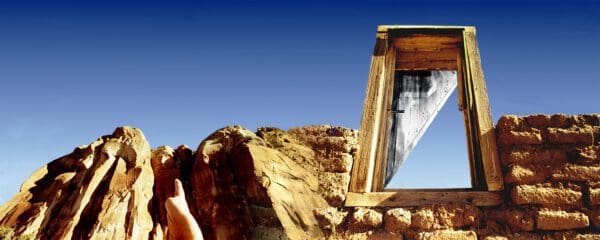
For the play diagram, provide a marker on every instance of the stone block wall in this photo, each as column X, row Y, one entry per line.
column 552, row 186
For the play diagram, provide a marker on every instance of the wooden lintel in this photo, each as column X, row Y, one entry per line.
column 422, row 197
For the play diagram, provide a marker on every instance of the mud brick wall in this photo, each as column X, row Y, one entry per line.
column 552, row 173
column 552, row 186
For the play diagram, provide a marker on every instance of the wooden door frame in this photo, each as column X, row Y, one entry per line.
column 367, row 176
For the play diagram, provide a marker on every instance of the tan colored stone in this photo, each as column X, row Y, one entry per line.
column 588, row 155
column 587, row 237
column 456, row 216
column 446, row 235
column 516, row 219
column 525, row 174
column 333, row 187
column 292, row 147
column 570, row 136
column 397, row 220
column 546, row 196
column 326, row 140
column 534, row 156
column 560, row 121
column 509, row 123
column 423, row 219
column 330, row 217
column 364, row 219
column 101, row 190
column 577, row 173
column 532, row 136
column 341, row 163
column 560, row 220
column 538, row 120
column 233, row 166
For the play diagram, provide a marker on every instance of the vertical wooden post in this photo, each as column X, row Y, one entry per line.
column 362, row 172
column 483, row 121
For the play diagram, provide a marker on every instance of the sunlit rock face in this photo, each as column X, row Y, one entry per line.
column 100, row 191
column 239, row 186
column 277, row 184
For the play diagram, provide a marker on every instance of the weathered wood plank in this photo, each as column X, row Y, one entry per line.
column 420, row 197
column 485, row 126
column 448, row 54
column 362, row 170
column 426, row 41
column 382, row 28
column 427, row 65
column 385, row 129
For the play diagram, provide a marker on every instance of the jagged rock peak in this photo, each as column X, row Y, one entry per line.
column 99, row 191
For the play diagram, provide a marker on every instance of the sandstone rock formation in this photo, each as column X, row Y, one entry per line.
column 276, row 184
column 239, row 187
column 100, row 191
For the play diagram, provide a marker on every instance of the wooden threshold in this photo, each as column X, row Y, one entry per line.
column 422, row 197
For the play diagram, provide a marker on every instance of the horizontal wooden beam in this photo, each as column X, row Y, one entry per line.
column 422, row 197
column 427, row 65
column 427, row 41
column 382, row 28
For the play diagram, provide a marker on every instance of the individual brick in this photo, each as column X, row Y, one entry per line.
column 594, row 196
column 534, row 155
column 570, row 136
column 509, row 123
column 587, row 155
column 546, row 196
column 560, row 220
column 446, row 235
column 588, row 119
column 364, row 219
column 455, row 216
column 516, row 219
column 397, row 220
column 329, row 217
column 560, row 121
column 577, row 173
column 532, row 136
column 423, row 219
column 525, row 174
column 586, row 237
column 537, row 120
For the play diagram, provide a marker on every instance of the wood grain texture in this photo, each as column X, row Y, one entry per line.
column 421, row 197
column 362, row 171
column 485, row 126
column 385, row 129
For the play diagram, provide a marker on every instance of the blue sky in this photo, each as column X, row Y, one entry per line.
column 73, row 71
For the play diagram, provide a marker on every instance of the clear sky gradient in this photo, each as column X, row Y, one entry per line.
column 73, row 71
